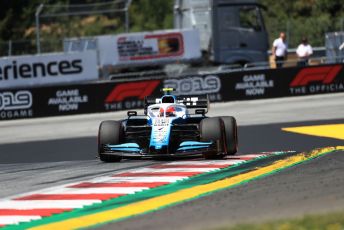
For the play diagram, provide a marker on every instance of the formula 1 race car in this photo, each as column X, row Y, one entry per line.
column 170, row 126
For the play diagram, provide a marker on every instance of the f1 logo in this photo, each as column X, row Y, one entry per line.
column 134, row 89
column 324, row 74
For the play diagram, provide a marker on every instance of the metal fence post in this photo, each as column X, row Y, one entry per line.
column 38, row 43
column 10, row 48
column 127, row 5
column 288, row 33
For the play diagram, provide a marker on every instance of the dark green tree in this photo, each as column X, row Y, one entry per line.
column 311, row 18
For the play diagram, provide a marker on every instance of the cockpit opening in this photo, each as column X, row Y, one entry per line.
column 168, row 99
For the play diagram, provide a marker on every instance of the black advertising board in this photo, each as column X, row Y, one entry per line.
column 210, row 85
column 63, row 100
column 97, row 97
column 75, row 99
column 317, row 80
column 128, row 95
column 258, row 84
column 15, row 104
column 282, row 82
column 111, row 96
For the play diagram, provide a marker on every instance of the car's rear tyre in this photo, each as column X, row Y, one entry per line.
column 212, row 129
column 110, row 132
column 231, row 134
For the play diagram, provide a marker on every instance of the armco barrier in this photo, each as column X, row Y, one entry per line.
column 110, row 96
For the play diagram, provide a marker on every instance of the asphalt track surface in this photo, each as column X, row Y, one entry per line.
column 40, row 153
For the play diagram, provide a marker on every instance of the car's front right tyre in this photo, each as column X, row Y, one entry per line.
column 110, row 132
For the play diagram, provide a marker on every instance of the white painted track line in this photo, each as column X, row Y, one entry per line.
column 48, row 204
column 213, row 162
column 200, row 170
column 126, row 190
column 146, row 179
column 5, row 220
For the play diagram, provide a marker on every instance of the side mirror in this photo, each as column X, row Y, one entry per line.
column 131, row 113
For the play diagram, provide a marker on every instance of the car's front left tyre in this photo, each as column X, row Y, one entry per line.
column 212, row 129
column 231, row 134
column 110, row 132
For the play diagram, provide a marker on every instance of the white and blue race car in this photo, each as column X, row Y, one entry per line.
column 170, row 126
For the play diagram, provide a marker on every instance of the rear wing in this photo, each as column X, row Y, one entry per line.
column 195, row 102
column 191, row 102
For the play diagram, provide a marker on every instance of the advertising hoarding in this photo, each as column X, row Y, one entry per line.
column 36, row 70
column 115, row 96
column 149, row 48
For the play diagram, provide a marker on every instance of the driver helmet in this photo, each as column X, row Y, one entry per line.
column 170, row 112
column 161, row 112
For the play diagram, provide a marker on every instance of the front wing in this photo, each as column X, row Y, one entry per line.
column 186, row 148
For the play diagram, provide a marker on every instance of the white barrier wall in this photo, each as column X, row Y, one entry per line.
column 27, row 71
column 147, row 48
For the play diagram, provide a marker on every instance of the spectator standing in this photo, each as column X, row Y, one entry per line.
column 304, row 51
column 280, row 50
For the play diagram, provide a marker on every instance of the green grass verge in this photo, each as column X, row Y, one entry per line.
column 332, row 221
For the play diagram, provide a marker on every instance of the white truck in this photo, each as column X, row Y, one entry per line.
column 231, row 31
